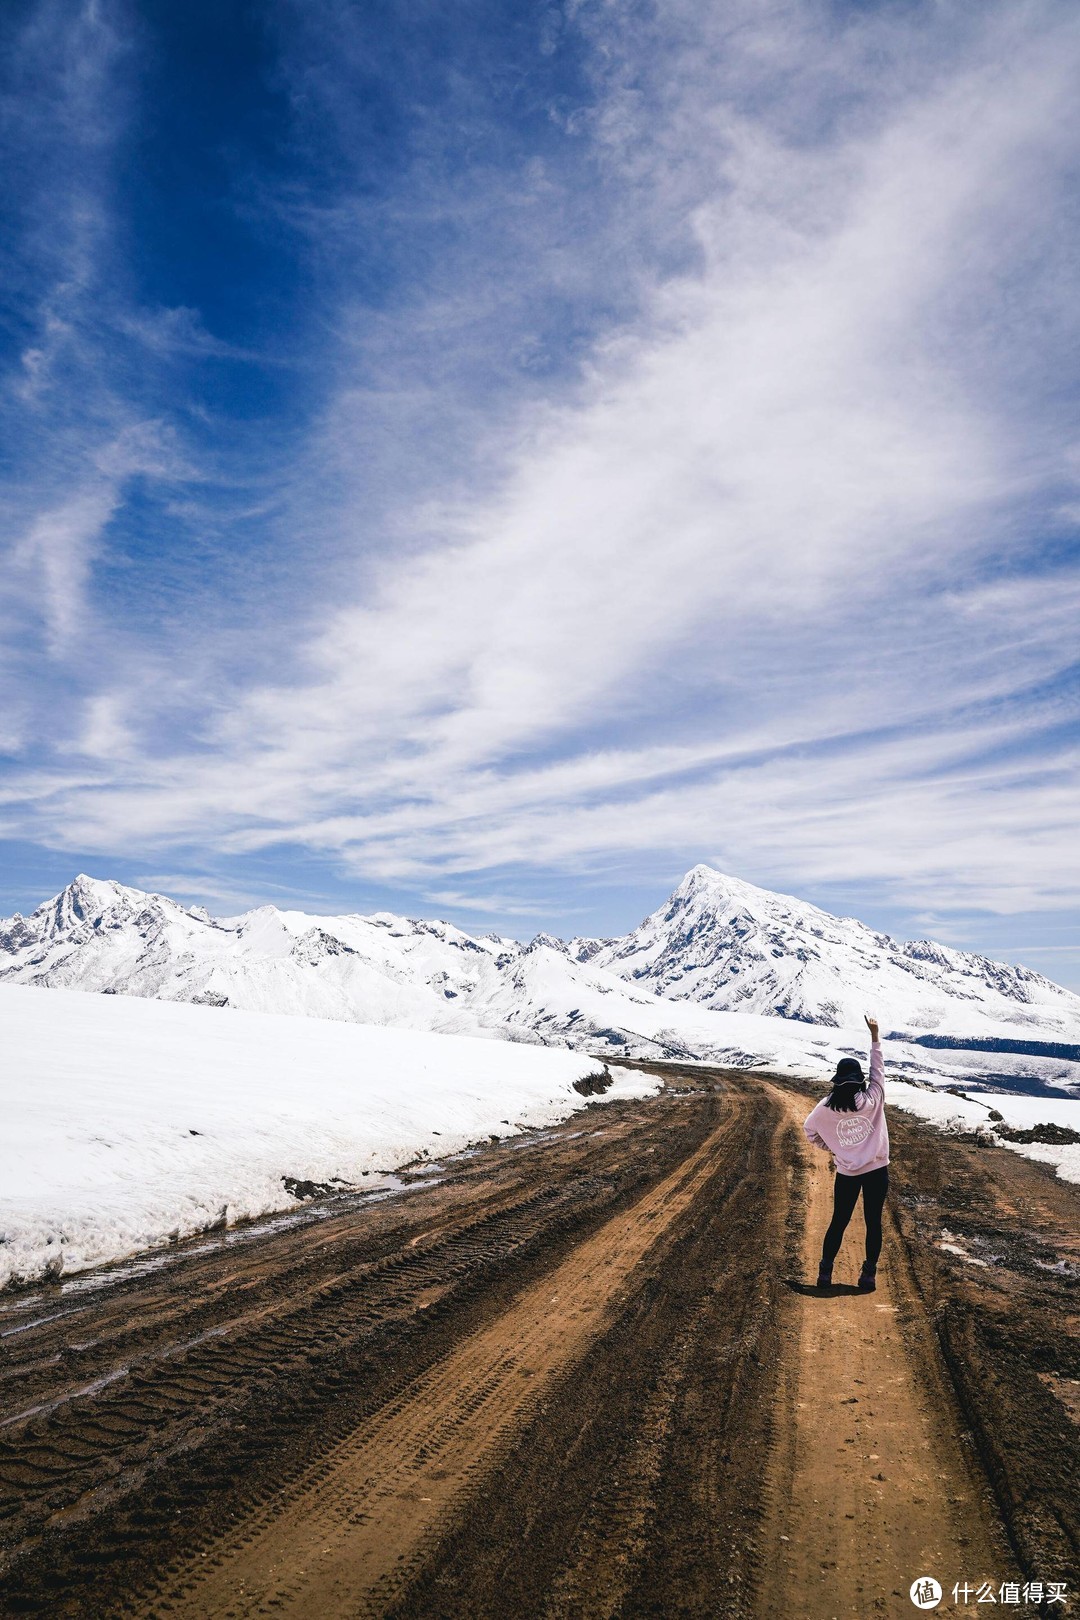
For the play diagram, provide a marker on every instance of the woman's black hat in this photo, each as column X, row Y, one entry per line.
column 849, row 1073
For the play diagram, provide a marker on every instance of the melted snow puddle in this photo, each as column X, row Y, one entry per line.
column 398, row 1188
column 35, row 1321
column 951, row 1243
column 1060, row 1268
column 954, row 1248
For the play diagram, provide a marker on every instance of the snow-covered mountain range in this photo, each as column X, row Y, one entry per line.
column 722, row 971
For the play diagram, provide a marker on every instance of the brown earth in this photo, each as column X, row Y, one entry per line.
column 580, row 1376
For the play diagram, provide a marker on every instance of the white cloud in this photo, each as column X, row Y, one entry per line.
column 62, row 544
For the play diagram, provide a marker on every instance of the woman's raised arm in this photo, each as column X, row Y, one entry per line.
column 877, row 1065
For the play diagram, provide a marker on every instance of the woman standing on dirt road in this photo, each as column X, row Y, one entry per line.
column 850, row 1124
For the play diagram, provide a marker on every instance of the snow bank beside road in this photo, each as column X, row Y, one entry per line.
column 1019, row 1113
column 131, row 1122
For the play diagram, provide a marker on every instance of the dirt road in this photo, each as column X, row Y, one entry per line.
column 573, row 1376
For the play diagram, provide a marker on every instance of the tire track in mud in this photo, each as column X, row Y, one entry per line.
column 347, row 1538
column 136, row 1373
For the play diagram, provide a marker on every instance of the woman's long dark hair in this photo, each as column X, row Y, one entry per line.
column 842, row 1097
column 847, row 1083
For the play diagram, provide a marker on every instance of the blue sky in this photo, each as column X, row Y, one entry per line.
column 481, row 460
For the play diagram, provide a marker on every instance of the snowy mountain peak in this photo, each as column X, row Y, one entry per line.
column 734, row 947
column 86, row 894
column 707, row 878
column 704, row 886
column 87, row 898
column 83, row 904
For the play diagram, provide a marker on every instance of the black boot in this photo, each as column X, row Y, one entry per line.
column 824, row 1276
column 867, row 1278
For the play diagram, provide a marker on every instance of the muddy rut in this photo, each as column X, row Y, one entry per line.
column 573, row 1374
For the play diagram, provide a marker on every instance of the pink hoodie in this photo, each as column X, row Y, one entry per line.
column 860, row 1141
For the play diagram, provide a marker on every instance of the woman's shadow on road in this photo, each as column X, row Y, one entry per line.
column 812, row 1291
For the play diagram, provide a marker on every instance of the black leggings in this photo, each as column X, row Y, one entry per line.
column 873, row 1185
